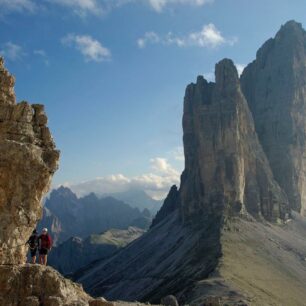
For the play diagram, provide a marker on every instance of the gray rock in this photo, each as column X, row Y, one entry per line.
column 275, row 87
column 226, row 171
column 172, row 202
column 169, row 300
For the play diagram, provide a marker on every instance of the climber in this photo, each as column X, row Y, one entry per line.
column 33, row 245
column 45, row 245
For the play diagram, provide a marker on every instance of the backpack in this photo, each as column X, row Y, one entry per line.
column 45, row 241
column 33, row 241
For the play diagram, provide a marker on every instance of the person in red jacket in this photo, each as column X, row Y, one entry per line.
column 45, row 245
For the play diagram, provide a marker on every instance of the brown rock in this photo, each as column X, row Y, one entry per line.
column 52, row 301
column 211, row 301
column 31, row 301
column 100, row 302
column 7, row 94
column 28, row 159
column 22, row 283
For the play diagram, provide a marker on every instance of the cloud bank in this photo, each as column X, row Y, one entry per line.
column 208, row 37
column 156, row 183
column 92, row 7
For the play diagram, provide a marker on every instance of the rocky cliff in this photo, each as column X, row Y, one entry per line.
column 275, row 87
column 226, row 171
column 28, row 161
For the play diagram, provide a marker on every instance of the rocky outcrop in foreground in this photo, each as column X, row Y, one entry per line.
column 38, row 285
column 27, row 163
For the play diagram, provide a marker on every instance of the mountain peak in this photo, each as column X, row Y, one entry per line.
column 291, row 31
column 291, row 25
column 226, row 73
column 64, row 192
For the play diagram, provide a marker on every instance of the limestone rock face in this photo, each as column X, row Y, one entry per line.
column 226, row 171
column 28, row 159
column 41, row 285
column 275, row 87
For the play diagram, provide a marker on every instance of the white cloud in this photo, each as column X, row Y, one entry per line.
column 91, row 48
column 8, row 6
column 156, row 183
column 209, row 76
column 12, row 51
column 91, row 7
column 159, row 5
column 178, row 154
column 149, row 37
column 240, row 68
column 42, row 53
column 208, row 37
column 80, row 7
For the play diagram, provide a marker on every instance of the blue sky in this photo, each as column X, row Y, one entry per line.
column 112, row 75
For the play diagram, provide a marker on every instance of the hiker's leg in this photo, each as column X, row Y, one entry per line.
column 33, row 259
column 45, row 260
column 41, row 259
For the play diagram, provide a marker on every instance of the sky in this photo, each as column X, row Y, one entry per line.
column 112, row 76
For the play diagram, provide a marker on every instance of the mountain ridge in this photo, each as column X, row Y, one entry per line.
column 230, row 214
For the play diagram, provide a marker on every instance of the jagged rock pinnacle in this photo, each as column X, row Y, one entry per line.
column 226, row 171
column 27, row 164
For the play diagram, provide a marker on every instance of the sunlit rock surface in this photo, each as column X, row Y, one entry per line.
column 28, row 160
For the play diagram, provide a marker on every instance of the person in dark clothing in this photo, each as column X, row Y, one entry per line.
column 33, row 245
column 45, row 245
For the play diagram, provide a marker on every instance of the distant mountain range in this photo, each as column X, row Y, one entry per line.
column 76, row 252
column 137, row 198
column 66, row 215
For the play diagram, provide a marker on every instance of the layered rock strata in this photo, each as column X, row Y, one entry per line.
column 275, row 87
column 226, row 171
column 28, row 159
